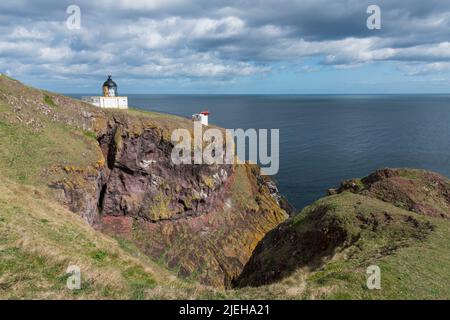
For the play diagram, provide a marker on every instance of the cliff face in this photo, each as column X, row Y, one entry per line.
column 212, row 247
column 142, row 182
column 201, row 220
column 114, row 169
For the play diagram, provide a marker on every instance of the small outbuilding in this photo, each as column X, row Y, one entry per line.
column 202, row 117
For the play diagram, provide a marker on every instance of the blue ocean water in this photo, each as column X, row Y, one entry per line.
column 325, row 139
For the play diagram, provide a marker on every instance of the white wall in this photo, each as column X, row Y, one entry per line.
column 107, row 102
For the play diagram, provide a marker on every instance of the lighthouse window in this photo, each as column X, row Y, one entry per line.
column 112, row 92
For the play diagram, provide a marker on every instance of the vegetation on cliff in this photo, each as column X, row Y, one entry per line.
column 394, row 218
column 93, row 188
column 39, row 239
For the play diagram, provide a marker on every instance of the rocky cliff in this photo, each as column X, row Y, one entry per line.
column 201, row 220
column 113, row 168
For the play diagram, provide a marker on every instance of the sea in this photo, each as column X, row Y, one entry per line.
column 325, row 139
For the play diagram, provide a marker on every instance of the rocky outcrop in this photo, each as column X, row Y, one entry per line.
column 420, row 191
column 378, row 214
column 81, row 191
column 203, row 221
column 144, row 183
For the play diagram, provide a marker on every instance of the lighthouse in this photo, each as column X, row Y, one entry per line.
column 110, row 98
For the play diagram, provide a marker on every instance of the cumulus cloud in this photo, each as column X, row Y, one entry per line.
column 216, row 39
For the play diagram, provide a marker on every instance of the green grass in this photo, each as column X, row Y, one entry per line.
column 25, row 154
column 99, row 255
column 419, row 271
column 90, row 135
column 413, row 261
column 140, row 281
column 49, row 101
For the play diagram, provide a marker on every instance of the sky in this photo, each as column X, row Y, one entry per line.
column 226, row 47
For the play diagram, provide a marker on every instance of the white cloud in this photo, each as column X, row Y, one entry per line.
column 218, row 39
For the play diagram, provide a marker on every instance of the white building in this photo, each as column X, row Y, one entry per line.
column 202, row 117
column 110, row 98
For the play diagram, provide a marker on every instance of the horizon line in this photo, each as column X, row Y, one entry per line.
column 266, row 94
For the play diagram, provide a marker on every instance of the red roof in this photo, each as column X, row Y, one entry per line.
column 206, row 112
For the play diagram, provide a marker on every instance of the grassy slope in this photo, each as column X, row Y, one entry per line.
column 414, row 262
column 412, row 269
column 24, row 153
column 39, row 239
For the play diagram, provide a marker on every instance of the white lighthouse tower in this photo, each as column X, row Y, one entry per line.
column 110, row 98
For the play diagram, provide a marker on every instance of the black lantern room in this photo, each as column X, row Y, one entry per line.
column 110, row 88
